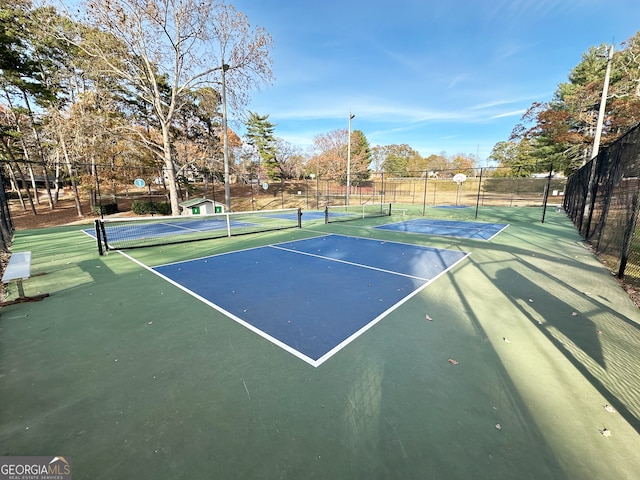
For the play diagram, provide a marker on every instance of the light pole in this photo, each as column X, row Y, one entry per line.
column 225, row 140
column 351, row 116
column 587, row 212
column 603, row 104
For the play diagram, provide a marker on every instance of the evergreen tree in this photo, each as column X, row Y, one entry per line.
column 260, row 135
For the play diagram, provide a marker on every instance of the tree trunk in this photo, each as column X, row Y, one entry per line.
column 170, row 170
column 43, row 162
column 26, row 187
column 74, row 183
column 12, row 157
column 32, row 179
column 16, row 186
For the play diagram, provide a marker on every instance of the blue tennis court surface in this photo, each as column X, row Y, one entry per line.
column 312, row 297
column 447, row 228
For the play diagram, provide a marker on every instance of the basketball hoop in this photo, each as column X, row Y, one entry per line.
column 459, row 178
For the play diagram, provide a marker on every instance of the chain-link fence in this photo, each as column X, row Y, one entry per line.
column 112, row 190
column 603, row 200
column 479, row 187
column 6, row 225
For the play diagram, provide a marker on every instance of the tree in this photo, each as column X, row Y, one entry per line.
column 290, row 160
column 330, row 161
column 260, row 135
column 514, row 155
column 401, row 160
column 562, row 130
column 184, row 45
column 463, row 164
column 437, row 162
column 29, row 80
column 360, row 158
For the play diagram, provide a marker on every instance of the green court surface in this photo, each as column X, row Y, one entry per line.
column 499, row 369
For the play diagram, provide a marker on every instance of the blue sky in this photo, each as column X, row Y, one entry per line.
column 441, row 76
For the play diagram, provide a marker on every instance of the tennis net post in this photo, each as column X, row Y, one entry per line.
column 97, row 226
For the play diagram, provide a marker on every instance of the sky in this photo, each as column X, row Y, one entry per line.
column 441, row 76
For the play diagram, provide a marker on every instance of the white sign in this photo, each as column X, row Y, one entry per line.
column 459, row 178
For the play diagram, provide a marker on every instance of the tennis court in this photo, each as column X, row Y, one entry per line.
column 510, row 358
column 452, row 228
column 365, row 279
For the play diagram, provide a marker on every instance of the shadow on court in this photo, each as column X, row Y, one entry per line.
column 580, row 340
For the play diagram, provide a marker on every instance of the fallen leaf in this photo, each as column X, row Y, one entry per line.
column 452, row 361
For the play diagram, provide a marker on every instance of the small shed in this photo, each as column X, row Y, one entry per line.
column 202, row 206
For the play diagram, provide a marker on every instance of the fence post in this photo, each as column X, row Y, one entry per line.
column 546, row 193
column 424, row 199
column 478, row 196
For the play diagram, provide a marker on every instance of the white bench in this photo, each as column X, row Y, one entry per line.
column 19, row 269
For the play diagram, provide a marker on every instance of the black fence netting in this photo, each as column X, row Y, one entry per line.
column 603, row 201
column 6, row 224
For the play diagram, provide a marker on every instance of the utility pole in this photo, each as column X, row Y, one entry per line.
column 603, row 105
column 225, row 139
column 351, row 116
column 589, row 198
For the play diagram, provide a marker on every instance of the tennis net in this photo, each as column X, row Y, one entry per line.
column 345, row 213
column 122, row 233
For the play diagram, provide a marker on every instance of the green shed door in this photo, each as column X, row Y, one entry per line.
column 195, row 210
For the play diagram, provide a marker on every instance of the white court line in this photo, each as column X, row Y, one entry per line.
column 238, row 251
column 247, row 325
column 373, row 322
column 348, row 263
column 284, row 346
column 429, row 222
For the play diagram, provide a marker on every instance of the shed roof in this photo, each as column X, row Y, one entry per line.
column 194, row 202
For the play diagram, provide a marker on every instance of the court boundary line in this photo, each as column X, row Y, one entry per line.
column 384, row 314
column 241, row 250
column 341, row 345
column 233, row 317
column 439, row 234
column 361, row 265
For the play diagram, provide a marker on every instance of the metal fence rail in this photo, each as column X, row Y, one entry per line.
column 603, row 200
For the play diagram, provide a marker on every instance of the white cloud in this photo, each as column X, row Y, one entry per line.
column 515, row 113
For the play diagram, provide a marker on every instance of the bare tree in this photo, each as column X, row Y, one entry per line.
column 290, row 160
column 330, row 160
column 158, row 51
